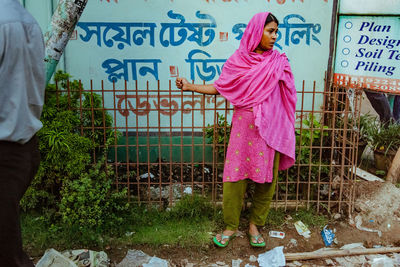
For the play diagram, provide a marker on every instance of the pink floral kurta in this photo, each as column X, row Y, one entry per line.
column 248, row 156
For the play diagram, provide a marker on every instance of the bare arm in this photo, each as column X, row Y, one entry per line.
column 184, row 85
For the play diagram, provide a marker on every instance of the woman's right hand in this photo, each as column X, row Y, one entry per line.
column 184, row 85
column 181, row 82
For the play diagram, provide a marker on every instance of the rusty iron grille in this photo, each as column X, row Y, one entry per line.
column 169, row 143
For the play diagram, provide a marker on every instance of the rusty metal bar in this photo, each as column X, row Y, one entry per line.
column 93, row 117
column 310, row 148
column 322, row 125
column 204, row 150
column 299, row 145
column 147, row 144
column 298, row 187
column 170, row 147
column 159, row 142
column 126, row 143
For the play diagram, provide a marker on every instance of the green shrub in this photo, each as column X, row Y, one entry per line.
column 308, row 157
column 310, row 136
column 384, row 137
column 366, row 122
column 71, row 184
column 88, row 202
column 306, row 140
column 64, row 156
column 219, row 135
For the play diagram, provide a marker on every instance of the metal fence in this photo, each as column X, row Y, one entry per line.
column 168, row 143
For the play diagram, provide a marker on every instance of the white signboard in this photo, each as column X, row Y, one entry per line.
column 368, row 7
column 368, row 52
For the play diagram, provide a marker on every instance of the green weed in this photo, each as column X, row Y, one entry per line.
column 310, row 218
column 183, row 233
column 276, row 218
column 192, row 207
column 187, row 224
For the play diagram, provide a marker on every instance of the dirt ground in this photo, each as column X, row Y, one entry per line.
column 239, row 248
column 378, row 204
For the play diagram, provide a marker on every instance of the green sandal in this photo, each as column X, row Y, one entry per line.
column 256, row 237
column 228, row 237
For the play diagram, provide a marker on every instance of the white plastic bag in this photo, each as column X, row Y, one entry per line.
column 272, row 258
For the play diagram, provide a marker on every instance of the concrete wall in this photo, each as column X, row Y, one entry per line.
column 140, row 40
column 148, row 40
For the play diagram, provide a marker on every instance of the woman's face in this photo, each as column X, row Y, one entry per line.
column 269, row 37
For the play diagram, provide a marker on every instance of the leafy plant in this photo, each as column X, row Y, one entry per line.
column 88, row 202
column 366, row 122
column 310, row 165
column 309, row 136
column 71, row 184
column 219, row 134
column 361, row 125
column 384, row 137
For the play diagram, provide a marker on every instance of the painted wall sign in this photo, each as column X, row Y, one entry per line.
column 294, row 31
column 151, row 42
column 368, row 52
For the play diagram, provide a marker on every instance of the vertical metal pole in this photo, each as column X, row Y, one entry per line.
column 299, row 166
column 171, row 183
column 182, row 157
column 127, row 157
column 92, row 112
column 310, row 162
column 332, row 42
column 60, row 29
column 159, row 139
column 116, row 147
column 148, row 146
column 203, row 110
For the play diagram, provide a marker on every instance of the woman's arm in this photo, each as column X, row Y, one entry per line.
column 184, row 85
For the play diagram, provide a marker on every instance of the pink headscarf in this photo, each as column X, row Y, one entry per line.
column 265, row 83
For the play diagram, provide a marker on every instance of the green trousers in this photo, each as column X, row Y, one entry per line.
column 233, row 195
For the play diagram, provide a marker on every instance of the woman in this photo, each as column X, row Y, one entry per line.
column 259, row 83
